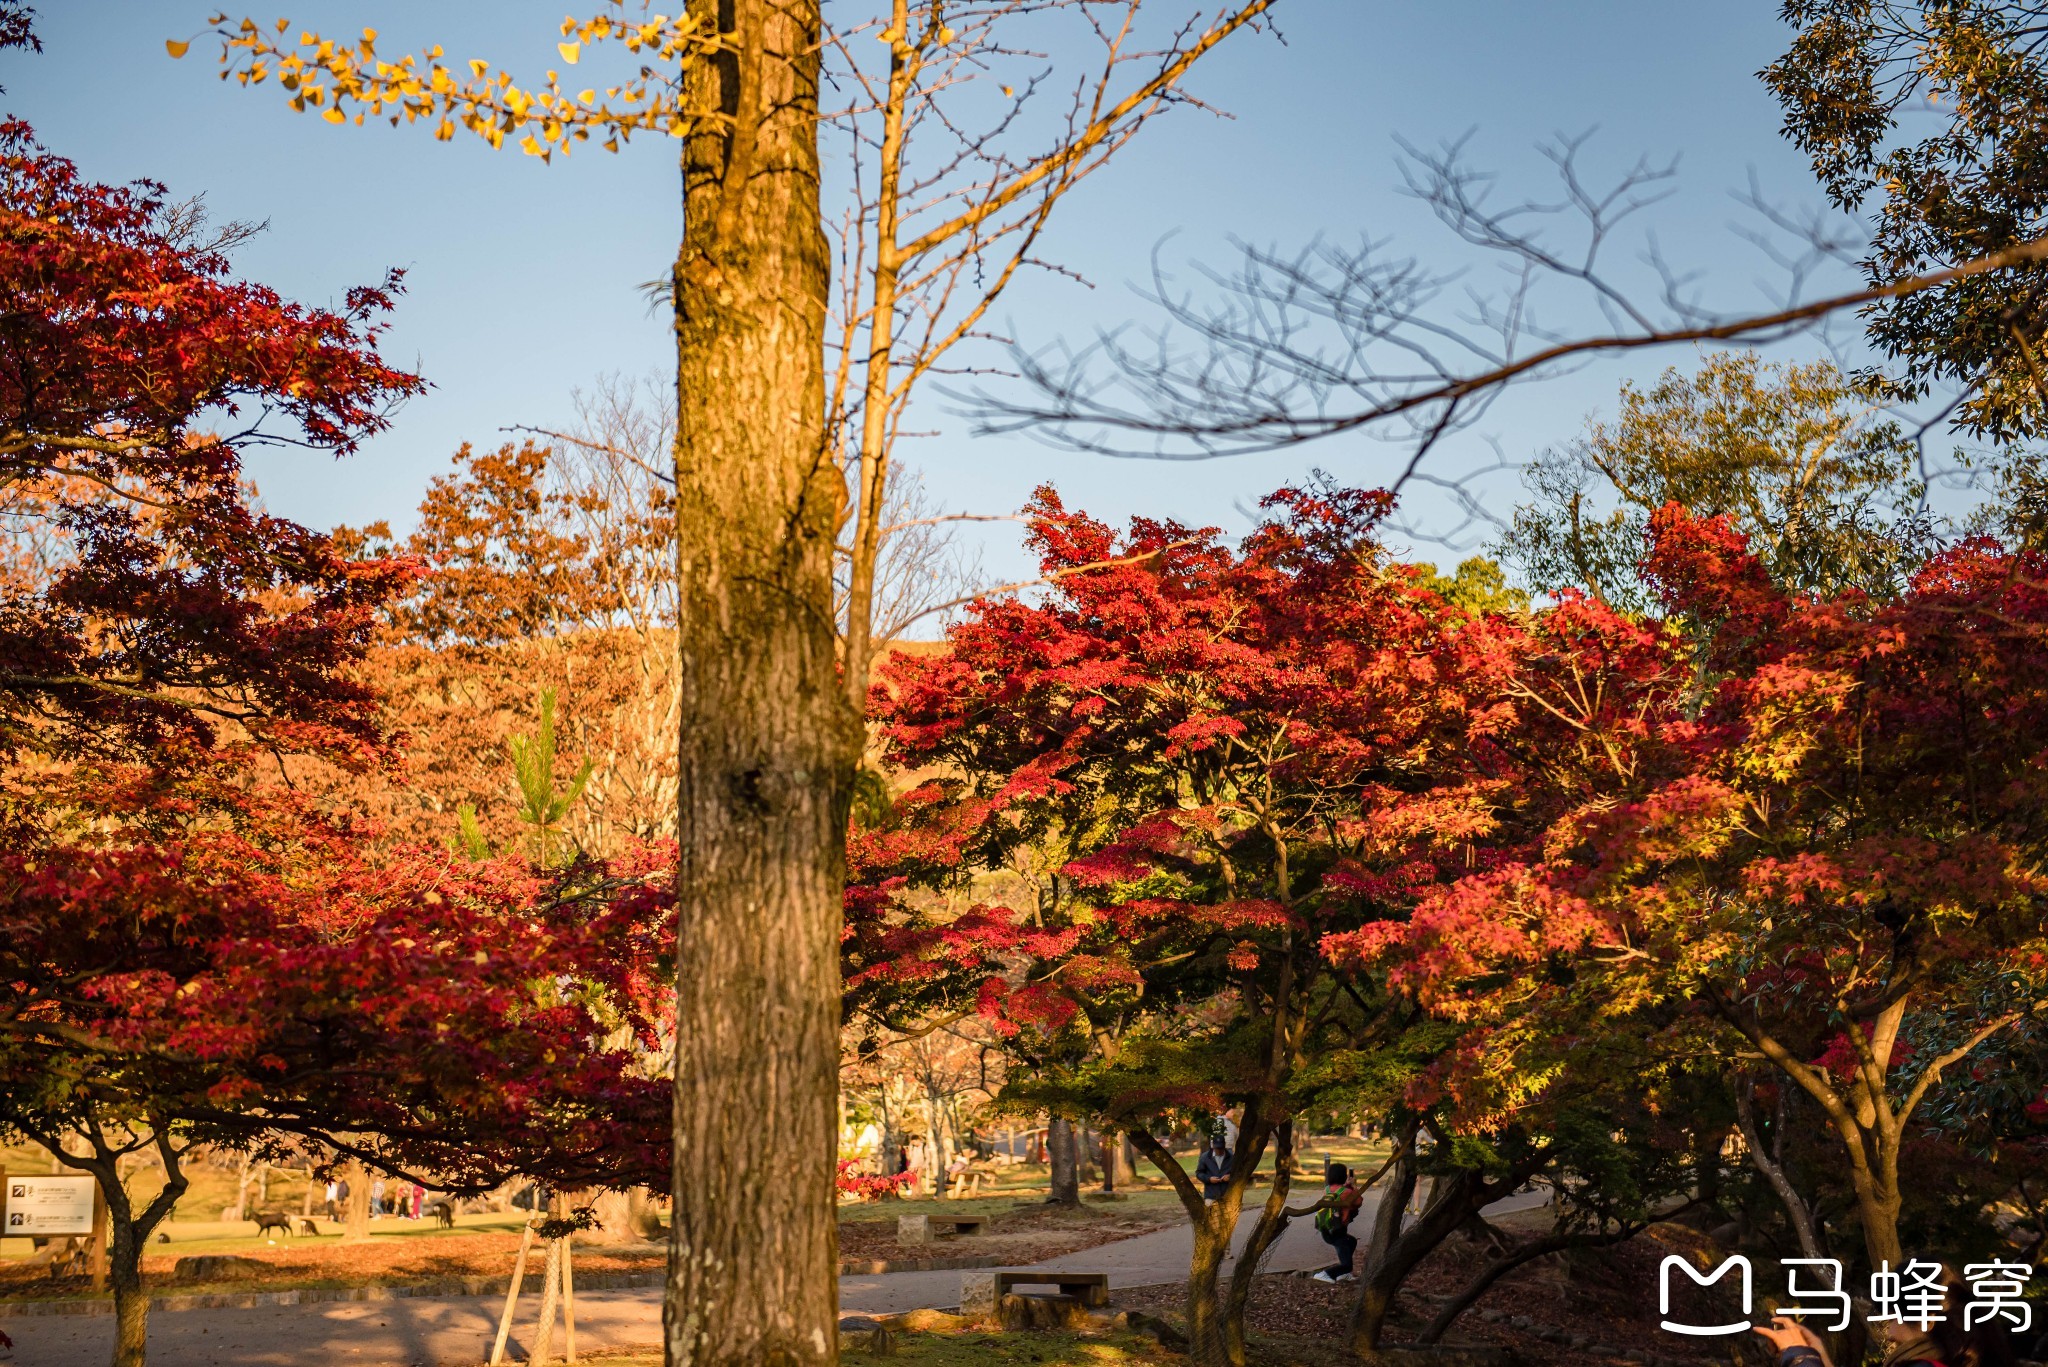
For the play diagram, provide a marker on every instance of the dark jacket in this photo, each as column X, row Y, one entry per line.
column 1212, row 1170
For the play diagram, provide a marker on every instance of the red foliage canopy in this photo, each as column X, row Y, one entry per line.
column 1206, row 759
column 266, row 981
column 133, row 370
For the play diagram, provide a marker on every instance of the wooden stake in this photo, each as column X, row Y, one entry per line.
column 96, row 1254
column 550, row 1301
column 569, row 1298
column 512, row 1296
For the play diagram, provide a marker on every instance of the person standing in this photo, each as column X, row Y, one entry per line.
column 915, row 1161
column 1212, row 1169
column 419, row 1196
column 333, row 1200
column 376, row 1198
column 1334, row 1214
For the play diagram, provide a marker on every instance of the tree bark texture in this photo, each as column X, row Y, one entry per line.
column 1063, row 1148
column 128, row 1234
column 1271, row 1224
column 355, row 1212
column 1398, row 1246
column 768, row 743
column 1119, row 1164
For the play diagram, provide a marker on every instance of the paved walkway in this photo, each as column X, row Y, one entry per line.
column 439, row 1332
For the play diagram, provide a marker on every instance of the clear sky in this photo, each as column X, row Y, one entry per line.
column 521, row 277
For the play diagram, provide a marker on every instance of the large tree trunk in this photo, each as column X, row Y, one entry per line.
column 768, row 743
column 1272, row 1223
column 131, row 1302
column 1064, row 1151
column 1208, row 1339
column 1375, row 1288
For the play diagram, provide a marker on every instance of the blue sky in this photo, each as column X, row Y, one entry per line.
column 521, row 277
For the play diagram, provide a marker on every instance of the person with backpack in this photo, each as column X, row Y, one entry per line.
column 1334, row 1213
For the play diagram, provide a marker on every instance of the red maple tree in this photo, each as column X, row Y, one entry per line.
column 256, row 980
column 193, row 956
column 134, row 370
column 1194, row 763
column 1813, row 830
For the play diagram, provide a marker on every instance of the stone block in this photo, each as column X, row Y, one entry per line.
column 912, row 1230
column 978, row 1296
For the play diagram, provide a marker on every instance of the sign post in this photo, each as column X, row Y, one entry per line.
column 57, row 1208
column 96, row 1256
column 42, row 1207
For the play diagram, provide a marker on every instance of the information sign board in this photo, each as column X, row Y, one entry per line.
column 42, row 1206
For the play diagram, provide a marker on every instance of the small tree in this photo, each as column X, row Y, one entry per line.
column 264, row 985
column 541, row 804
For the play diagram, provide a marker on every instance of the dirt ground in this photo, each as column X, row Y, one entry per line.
column 1598, row 1298
column 1022, row 1231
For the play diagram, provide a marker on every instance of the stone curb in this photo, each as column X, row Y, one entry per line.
column 250, row 1300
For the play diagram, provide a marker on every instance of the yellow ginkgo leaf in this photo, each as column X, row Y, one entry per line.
column 335, row 116
column 176, row 48
column 570, row 52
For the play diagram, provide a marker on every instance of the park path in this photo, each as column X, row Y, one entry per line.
column 427, row 1331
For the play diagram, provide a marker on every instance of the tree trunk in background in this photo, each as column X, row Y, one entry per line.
column 1119, row 1163
column 613, row 1212
column 1064, row 1154
column 356, row 1211
column 768, row 743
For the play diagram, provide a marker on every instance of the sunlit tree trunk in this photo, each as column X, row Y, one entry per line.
column 768, row 743
column 1064, row 1153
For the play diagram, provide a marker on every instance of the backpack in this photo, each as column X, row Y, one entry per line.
column 1331, row 1219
